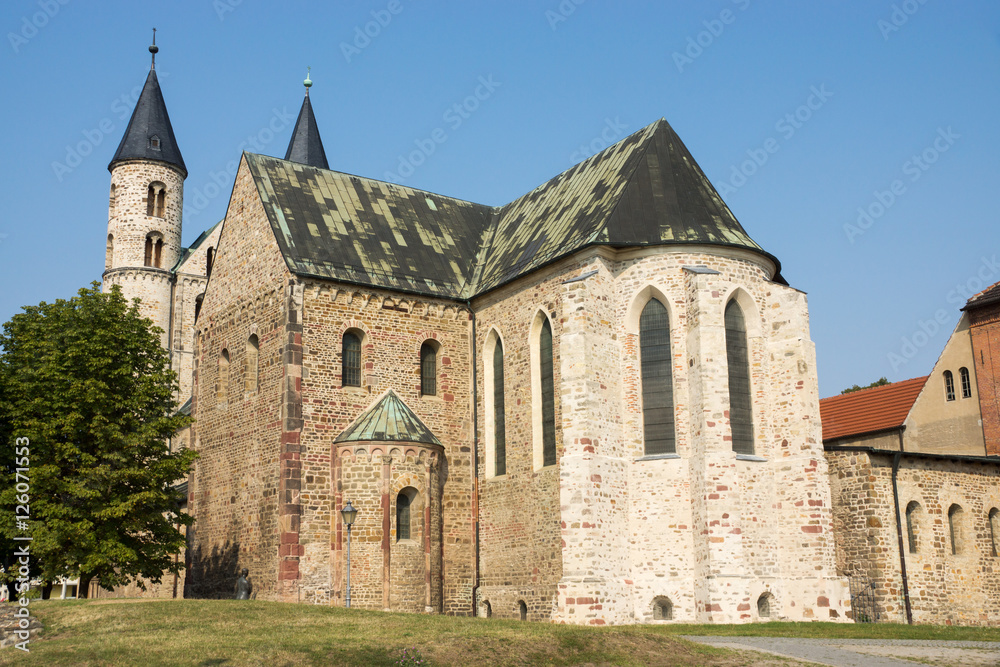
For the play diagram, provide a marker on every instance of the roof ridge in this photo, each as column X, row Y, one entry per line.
column 867, row 390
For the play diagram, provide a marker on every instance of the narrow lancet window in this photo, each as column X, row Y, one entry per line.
column 428, row 370
column 548, row 395
column 351, row 371
column 949, row 386
column 657, row 379
column 740, row 407
column 499, row 434
column 963, row 373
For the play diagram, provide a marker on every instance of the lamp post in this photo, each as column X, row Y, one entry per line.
column 349, row 514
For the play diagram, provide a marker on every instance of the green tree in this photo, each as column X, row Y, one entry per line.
column 877, row 383
column 87, row 382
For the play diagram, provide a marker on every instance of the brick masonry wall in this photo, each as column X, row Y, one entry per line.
column 985, row 330
column 233, row 491
column 944, row 588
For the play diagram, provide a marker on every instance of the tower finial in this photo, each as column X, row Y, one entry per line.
column 153, row 49
column 308, row 82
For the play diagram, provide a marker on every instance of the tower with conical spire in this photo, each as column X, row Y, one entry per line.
column 306, row 147
column 146, row 201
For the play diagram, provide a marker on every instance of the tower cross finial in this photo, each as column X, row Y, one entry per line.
column 308, row 82
column 153, row 49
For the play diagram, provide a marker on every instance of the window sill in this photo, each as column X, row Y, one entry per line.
column 658, row 457
column 750, row 457
column 431, row 397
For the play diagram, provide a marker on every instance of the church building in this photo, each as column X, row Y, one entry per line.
column 595, row 404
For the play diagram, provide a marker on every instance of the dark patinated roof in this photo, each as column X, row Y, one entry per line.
column 150, row 120
column 306, row 147
column 646, row 190
column 388, row 420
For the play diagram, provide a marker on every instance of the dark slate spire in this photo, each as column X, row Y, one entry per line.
column 306, row 147
column 149, row 135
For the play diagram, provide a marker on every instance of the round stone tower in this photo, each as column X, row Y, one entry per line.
column 146, row 202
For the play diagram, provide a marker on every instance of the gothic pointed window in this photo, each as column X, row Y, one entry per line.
column 222, row 391
column 737, row 357
column 428, row 369
column 657, row 379
column 351, row 360
column 949, row 386
column 548, row 394
column 963, row 374
column 499, row 432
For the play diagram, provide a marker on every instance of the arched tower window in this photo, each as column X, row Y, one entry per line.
column 113, row 203
column 428, row 369
column 499, row 431
column 912, row 525
column 994, row 521
column 548, row 394
column 154, row 250
column 156, row 197
column 657, row 379
column 740, row 408
column 209, row 260
column 963, row 374
column 955, row 515
column 109, row 252
column 404, row 502
column 949, row 386
column 148, row 255
column 253, row 350
column 222, row 393
column 351, row 360
column 158, row 253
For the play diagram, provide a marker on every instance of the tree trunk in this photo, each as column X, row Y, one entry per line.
column 83, row 588
column 46, row 590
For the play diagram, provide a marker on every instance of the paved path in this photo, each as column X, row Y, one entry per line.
column 867, row 652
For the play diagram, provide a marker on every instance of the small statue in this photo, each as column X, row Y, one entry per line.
column 243, row 585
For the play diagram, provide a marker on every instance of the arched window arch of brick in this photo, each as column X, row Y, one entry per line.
column 495, row 409
column 109, row 252
column 222, row 385
column 738, row 361
column 656, row 374
column 406, row 507
column 963, row 374
column 252, row 362
column 429, row 350
column 913, row 515
column 156, row 199
column 543, row 396
column 956, row 516
column 350, row 364
column 949, row 386
column 154, row 249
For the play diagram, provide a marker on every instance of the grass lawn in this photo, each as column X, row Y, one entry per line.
column 230, row 633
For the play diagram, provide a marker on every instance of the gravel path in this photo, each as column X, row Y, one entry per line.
column 868, row 652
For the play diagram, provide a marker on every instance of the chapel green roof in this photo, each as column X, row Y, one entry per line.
column 645, row 190
column 390, row 419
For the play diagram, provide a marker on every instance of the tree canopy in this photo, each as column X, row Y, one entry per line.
column 877, row 383
column 88, row 383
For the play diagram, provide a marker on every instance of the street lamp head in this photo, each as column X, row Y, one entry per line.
column 349, row 514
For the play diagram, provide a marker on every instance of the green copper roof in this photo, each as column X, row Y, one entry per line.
column 389, row 420
column 645, row 190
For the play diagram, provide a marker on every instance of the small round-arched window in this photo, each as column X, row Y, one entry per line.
column 765, row 605
column 663, row 609
column 522, row 610
column 486, row 609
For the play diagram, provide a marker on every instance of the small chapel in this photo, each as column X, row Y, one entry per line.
column 594, row 404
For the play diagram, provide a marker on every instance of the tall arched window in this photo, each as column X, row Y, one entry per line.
column 955, row 514
column 499, row 431
column 994, row 521
column 253, row 351
column 158, row 253
column 113, row 203
column 428, row 369
column 963, row 374
column 148, row 255
column 109, row 252
column 197, row 304
column 740, row 408
column 209, row 260
column 912, row 524
column 222, row 393
column 949, row 386
column 548, row 394
column 156, row 196
column 403, row 502
column 657, row 379
column 351, row 360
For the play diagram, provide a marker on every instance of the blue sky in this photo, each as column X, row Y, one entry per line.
column 856, row 141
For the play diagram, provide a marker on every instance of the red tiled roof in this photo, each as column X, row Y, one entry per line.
column 868, row 410
column 989, row 295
